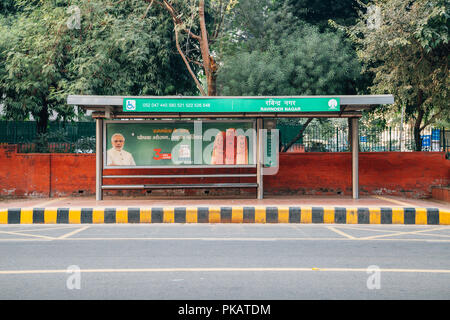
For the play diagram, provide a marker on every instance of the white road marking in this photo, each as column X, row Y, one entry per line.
column 435, row 235
column 341, row 232
column 41, row 205
column 45, row 228
column 67, row 235
column 395, row 201
column 227, row 269
column 347, row 237
column 223, row 239
column 344, row 226
column 399, row 233
column 27, row 235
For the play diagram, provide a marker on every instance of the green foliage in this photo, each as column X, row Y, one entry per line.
column 57, row 142
column 122, row 53
column 255, row 25
column 272, row 52
column 85, row 145
column 318, row 12
column 7, row 7
column 42, row 141
column 305, row 62
column 408, row 54
column 115, row 50
column 432, row 29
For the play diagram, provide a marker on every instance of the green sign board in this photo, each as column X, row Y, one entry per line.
column 179, row 143
column 231, row 105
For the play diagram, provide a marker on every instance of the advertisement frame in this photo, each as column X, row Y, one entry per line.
column 199, row 166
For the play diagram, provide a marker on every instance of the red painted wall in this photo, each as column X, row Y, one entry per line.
column 441, row 193
column 410, row 174
column 43, row 175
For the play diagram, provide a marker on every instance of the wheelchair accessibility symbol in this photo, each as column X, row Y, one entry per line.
column 130, row 105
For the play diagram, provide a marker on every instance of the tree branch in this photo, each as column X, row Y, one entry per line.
column 175, row 16
column 148, row 8
column 196, row 62
column 298, row 136
column 219, row 25
column 431, row 119
column 199, row 86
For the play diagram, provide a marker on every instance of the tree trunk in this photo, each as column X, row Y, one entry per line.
column 212, row 91
column 417, row 140
column 298, row 136
column 209, row 65
column 42, row 120
column 420, row 114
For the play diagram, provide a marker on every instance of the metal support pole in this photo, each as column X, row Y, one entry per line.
column 259, row 158
column 337, row 139
column 401, row 128
column 355, row 156
column 350, row 133
column 99, row 159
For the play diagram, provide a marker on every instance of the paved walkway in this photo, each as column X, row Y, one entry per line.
column 291, row 201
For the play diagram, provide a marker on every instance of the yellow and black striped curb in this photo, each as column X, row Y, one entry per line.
column 235, row 214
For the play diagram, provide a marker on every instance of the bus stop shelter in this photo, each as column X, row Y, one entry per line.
column 142, row 113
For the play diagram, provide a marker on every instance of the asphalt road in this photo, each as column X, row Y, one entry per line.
column 220, row 261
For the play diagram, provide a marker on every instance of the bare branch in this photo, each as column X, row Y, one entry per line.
column 199, row 86
column 219, row 25
column 196, row 62
column 177, row 19
column 427, row 123
column 148, row 8
column 298, row 136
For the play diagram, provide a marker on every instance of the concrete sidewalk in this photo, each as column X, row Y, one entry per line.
column 298, row 209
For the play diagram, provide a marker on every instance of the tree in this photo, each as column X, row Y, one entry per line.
column 256, row 25
column 318, row 12
column 304, row 63
column 120, row 50
column 7, row 7
column 29, row 72
column 279, row 55
column 190, row 21
column 48, row 51
column 404, row 44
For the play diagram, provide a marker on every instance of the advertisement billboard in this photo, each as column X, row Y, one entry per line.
column 187, row 143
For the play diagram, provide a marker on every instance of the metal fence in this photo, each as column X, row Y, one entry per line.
column 69, row 137
column 80, row 137
column 335, row 139
column 25, row 131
